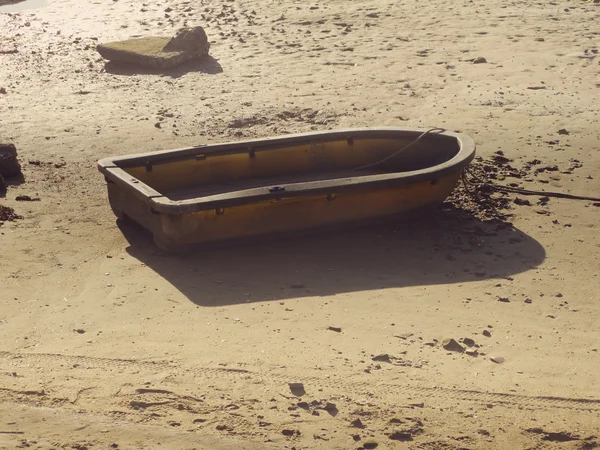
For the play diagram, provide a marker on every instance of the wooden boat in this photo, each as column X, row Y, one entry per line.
column 286, row 184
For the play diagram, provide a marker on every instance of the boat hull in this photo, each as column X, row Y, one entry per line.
column 180, row 222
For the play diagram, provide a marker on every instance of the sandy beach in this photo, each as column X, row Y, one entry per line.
column 106, row 342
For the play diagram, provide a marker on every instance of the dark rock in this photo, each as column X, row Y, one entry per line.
column 473, row 353
column 486, row 333
column 356, row 437
column 331, row 408
column 9, row 166
column 480, row 60
column 336, row 329
column 297, row 389
column 400, row 436
column 357, row 423
column 497, row 359
column 452, row 346
column 384, row 357
column 563, row 131
column 287, row 432
column 468, row 342
column 370, row 444
column 522, row 202
column 504, row 299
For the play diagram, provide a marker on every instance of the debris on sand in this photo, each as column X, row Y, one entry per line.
column 477, row 197
column 560, row 436
column 7, row 214
column 159, row 52
column 26, row 198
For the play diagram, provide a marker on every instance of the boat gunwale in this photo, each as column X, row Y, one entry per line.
column 113, row 169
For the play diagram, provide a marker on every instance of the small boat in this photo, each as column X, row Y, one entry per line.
column 286, row 184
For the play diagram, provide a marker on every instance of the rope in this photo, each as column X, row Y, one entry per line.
column 396, row 153
column 514, row 190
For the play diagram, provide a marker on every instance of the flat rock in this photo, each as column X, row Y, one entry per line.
column 159, row 52
column 9, row 166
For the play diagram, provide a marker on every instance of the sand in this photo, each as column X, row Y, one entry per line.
column 104, row 341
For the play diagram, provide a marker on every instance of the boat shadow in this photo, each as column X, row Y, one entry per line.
column 445, row 248
column 6, row 182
